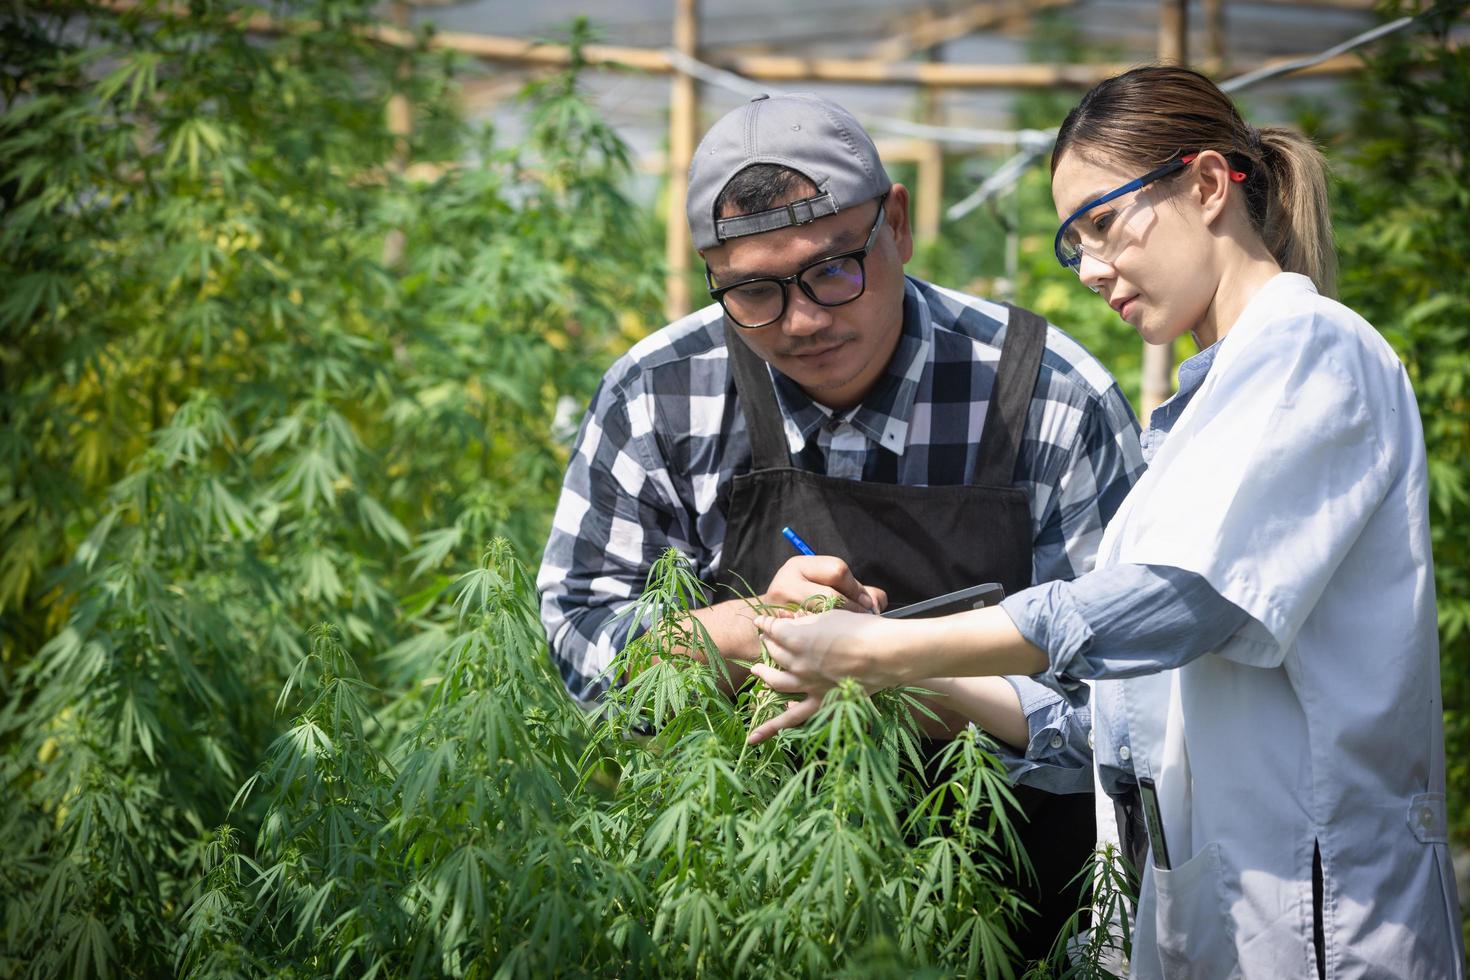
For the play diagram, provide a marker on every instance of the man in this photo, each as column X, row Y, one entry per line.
column 920, row 439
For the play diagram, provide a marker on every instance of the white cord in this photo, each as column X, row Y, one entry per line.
column 1297, row 64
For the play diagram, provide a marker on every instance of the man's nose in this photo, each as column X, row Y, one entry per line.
column 803, row 314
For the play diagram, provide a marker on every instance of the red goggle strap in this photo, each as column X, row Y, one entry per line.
column 1238, row 176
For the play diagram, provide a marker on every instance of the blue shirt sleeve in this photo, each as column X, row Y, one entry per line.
column 1122, row 621
column 1056, row 757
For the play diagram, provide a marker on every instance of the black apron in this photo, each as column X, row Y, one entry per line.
column 917, row 542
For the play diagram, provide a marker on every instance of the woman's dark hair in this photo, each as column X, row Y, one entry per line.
column 1148, row 116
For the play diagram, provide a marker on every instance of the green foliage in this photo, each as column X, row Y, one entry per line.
column 971, row 253
column 1097, row 942
column 265, row 363
column 493, row 828
column 254, row 376
column 1403, row 225
column 257, row 377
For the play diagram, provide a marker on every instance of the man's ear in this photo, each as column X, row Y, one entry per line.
column 1212, row 185
column 896, row 211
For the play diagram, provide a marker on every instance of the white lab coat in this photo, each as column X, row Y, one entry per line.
column 1295, row 483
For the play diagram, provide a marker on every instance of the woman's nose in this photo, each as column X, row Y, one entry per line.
column 1093, row 271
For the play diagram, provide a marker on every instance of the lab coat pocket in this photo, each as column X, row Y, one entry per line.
column 1195, row 937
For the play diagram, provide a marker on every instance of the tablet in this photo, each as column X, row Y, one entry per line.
column 975, row 597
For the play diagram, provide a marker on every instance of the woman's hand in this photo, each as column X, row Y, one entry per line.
column 813, row 653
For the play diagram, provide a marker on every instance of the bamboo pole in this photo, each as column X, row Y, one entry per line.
column 791, row 68
column 929, row 203
column 929, row 196
column 1214, row 11
column 399, row 113
column 897, row 45
column 1174, row 32
column 788, row 68
column 1158, row 360
column 683, row 109
column 400, row 124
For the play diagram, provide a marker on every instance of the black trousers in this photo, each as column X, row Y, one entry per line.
column 1058, row 832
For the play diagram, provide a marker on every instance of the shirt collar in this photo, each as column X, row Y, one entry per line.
column 1192, row 374
column 1193, row 370
column 884, row 413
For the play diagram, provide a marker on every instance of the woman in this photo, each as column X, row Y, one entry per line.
column 1259, row 633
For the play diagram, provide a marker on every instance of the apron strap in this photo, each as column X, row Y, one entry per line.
column 1010, row 399
column 1005, row 419
column 768, row 444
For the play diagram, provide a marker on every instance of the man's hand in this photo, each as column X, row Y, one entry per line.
column 805, row 577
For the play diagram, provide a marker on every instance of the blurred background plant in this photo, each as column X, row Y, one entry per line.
column 257, row 374
column 1402, row 213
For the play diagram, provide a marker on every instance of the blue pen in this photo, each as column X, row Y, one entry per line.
column 796, row 541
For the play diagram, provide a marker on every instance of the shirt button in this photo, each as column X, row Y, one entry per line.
column 1123, row 753
column 1089, row 739
column 1426, row 816
column 1056, row 741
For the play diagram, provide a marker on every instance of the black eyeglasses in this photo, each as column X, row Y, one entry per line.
column 832, row 281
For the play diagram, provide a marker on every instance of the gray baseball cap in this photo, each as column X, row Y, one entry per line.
column 812, row 135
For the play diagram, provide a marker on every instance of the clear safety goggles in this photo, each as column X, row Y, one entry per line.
column 1081, row 234
column 1100, row 236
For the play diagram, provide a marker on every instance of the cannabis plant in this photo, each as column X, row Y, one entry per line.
column 503, row 831
column 254, row 376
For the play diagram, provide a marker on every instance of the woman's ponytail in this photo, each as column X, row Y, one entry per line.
column 1297, row 225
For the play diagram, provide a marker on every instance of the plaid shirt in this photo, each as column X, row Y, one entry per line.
column 665, row 434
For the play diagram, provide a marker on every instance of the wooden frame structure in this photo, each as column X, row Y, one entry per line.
column 885, row 65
